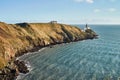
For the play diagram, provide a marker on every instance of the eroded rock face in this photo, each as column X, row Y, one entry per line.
column 90, row 34
column 16, row 39
column 12, row 70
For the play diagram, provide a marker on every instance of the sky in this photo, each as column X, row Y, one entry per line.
column 63, row 11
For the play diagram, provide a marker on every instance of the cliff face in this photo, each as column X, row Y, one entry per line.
column 16, row 39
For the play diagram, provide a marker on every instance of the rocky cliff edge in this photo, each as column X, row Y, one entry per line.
column 16, row 39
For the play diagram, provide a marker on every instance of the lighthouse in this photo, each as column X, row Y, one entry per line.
column 87, row 27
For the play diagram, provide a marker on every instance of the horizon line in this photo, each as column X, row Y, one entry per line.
column 61, row 23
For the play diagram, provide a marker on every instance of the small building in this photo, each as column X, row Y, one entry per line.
column 53, row 22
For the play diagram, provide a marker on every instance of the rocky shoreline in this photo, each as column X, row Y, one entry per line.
column 16, row 67
column 12, row 70
column 16, row 40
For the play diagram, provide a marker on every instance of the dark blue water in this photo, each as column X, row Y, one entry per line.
column 97, row 59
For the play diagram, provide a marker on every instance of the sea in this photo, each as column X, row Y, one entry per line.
column 97, row 59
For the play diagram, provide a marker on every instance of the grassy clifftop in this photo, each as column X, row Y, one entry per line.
column 15, row 39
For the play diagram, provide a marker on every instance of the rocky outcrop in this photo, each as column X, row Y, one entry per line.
column 17, row 39
column 90, row 34
column 22, row 68
column 12, row 70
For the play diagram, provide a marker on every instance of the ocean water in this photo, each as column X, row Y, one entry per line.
column 97, row 59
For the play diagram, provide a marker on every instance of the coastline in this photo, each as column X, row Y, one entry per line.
column 24, row 68
column 33, row 41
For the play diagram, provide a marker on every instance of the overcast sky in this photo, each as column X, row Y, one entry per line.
column 63, row 11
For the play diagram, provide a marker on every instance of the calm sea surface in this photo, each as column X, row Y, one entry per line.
column 97, row 59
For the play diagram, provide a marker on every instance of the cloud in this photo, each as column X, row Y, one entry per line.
column 112, row 9
column 87, row 1
column 97, row 10
column 105, row 10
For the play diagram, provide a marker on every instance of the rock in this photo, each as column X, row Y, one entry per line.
column 22, row 68
column 90, row 34
column 11, row 71
column 8, row 74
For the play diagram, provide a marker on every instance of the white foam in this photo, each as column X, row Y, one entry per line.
column 26, row 54
column 20, row 76
column 28, row 65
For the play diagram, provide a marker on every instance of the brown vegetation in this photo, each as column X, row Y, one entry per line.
column 15, row 39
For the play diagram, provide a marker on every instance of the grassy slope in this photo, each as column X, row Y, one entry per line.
column 18, row 38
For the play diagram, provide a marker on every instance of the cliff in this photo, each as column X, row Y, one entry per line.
column 16, row 39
